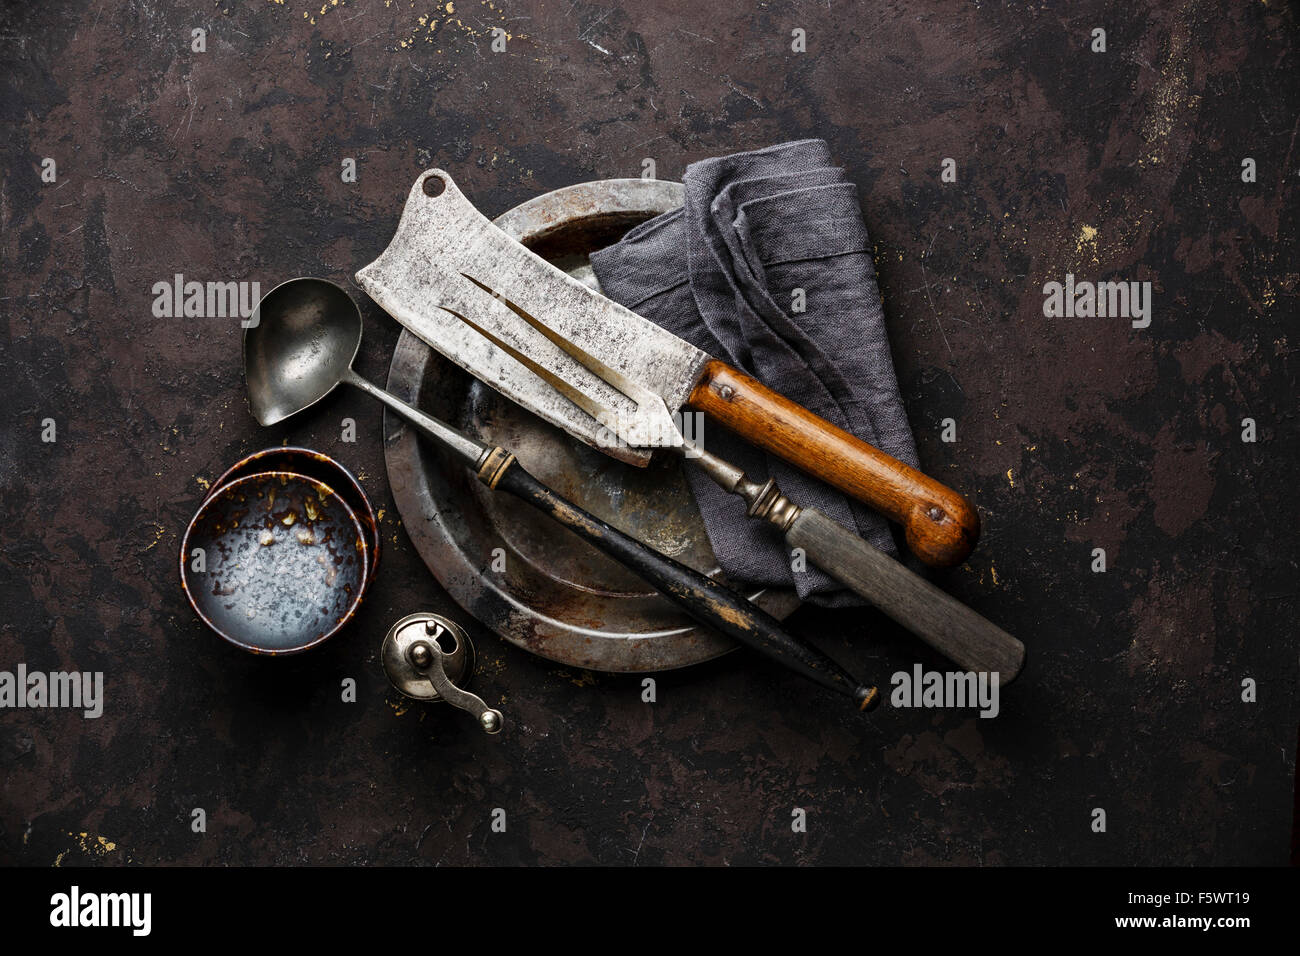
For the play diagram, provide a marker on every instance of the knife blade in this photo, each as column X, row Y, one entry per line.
column 445, row 256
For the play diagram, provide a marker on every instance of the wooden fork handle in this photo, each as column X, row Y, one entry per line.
column 941, row 526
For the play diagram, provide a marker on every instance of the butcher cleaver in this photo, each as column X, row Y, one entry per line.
column 447, row 259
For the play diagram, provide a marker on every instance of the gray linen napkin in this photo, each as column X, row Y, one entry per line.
column 721, row 272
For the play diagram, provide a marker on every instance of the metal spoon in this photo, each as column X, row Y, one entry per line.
column 300, row 344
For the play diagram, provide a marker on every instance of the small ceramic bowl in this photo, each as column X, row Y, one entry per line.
column 314, row 464
column 275, row 562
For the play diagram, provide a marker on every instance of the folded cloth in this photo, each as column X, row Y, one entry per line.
column 723, row 272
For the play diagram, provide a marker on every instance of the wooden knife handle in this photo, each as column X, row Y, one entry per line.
column 959, row 633
column 941, row 526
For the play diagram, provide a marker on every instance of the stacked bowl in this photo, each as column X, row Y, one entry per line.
column 281, row 551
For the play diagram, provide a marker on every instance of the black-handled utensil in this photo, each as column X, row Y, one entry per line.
column 300, row 345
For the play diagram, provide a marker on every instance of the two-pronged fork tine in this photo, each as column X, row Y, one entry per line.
column 591, row 406
column 650, row 405
column 633, row 390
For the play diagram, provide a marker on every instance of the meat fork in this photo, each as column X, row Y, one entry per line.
column 950, row 627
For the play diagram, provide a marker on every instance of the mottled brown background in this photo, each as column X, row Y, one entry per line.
column 1074, row 434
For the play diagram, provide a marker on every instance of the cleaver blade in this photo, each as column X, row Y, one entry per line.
column 421, row 279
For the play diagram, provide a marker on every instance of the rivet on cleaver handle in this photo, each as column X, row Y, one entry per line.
column 442, row 238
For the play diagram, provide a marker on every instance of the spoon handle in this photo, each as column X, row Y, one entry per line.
column 470, row 451
column 704, row 599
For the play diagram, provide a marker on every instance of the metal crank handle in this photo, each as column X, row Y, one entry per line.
column 426, row 657
column 704, row 599
column 939, row 619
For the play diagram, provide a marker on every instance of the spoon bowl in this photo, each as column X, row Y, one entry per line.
column 305, row 334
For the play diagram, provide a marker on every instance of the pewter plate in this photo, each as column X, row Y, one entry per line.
column 534, row 583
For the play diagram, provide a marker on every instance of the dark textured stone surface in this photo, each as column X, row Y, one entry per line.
column 1073, row 433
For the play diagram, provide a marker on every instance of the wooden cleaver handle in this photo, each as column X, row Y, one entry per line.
column 941, row 526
